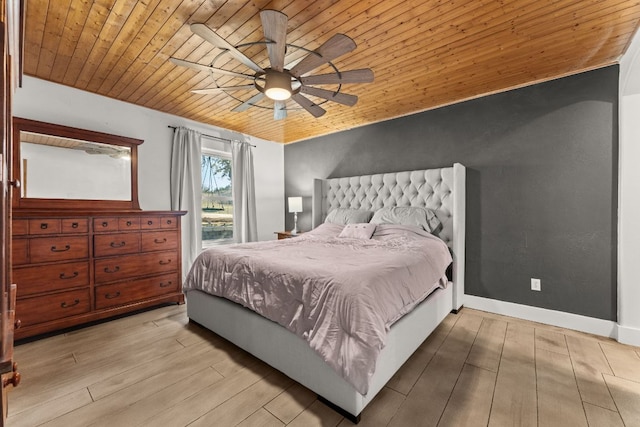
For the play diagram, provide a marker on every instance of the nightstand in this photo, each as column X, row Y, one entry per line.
column 286, row 234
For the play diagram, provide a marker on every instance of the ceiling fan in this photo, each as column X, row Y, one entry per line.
column 281, row 82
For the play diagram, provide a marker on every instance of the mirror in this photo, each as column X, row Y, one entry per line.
column 51, row 165
column 61, row 167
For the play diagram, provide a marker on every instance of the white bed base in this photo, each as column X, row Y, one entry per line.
column 291, row 355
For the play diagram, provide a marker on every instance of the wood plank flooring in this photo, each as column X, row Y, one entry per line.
column 477, row 369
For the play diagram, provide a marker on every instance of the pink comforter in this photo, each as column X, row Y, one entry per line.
column 341, row 295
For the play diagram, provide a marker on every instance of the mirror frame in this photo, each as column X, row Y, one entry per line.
column 20, row 124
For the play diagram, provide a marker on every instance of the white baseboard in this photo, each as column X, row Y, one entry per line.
column 628, row 335
column 606, row 328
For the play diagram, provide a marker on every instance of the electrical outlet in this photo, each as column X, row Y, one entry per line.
column 535, row 284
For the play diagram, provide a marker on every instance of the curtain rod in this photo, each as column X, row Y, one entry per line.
column 212, row 136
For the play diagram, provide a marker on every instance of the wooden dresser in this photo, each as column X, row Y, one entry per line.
column 75, row 267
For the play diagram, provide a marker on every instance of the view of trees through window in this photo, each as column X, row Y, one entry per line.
column 217, row 200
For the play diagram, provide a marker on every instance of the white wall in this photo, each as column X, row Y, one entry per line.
column 629, row 197
column 53, row 103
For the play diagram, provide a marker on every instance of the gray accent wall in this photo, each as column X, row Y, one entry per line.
column 541, row 184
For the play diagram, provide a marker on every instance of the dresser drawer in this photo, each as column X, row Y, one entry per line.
column 20, row 251
column 128, row 266
column 20, row 227
column 132, row 223
column 169, row 222
column 116, row 244
column 105, row 224
column 150, row 222
column 75, row 225
column 136, row 290
column 58, row 248
column 159, row 240
column 44, row 226
column 48, row 278
column 35, row 310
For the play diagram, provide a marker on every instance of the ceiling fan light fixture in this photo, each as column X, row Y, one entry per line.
column 279, row 82
column 277, row 86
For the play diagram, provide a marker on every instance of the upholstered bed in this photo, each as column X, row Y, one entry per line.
column 441, row 191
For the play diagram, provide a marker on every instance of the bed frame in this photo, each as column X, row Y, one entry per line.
column 442, row 190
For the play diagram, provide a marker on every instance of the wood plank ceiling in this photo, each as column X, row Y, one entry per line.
column 424, row 53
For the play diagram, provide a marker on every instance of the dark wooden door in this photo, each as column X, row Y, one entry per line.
column 10, row 18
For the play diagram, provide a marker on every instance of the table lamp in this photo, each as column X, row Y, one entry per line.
column 295, row 206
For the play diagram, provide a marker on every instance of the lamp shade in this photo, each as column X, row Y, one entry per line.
column 295, row 204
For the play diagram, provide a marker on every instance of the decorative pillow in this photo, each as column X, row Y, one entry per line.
column 348, row 216
column 408, row 215
column 358, row 231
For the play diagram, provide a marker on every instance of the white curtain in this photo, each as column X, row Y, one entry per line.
column 244, row 198
column 186, row 187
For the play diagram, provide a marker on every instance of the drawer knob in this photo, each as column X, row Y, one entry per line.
column 168, row 222
column 105, row 224
column 75, row 225
column 112, row 296
column 44, row 226
column 163, row 262
column 160, row 240
column 165, row 284
column 65, row 305
column 149, row 222
column 128, row 223
column 55, row 249
column 64, row 276
column 114, row 270
column 17, row 324
column 117, row 245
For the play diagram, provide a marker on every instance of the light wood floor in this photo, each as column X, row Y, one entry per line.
column 476, row 369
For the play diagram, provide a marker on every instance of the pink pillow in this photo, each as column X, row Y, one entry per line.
column 358, row 231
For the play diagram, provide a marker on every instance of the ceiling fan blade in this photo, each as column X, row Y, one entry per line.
column 279, row 110
column 212, row 37
column 251, row 101
column 293, row 63
column 340, row 98
column 209, row 68
column 214, row 90
column 274, row 24
column 305, row 103
column 336, row 46
column 364, row 75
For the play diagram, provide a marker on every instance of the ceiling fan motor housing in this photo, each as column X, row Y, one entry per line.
column 277, row 85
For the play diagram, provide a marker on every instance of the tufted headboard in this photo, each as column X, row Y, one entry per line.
column 442, row 190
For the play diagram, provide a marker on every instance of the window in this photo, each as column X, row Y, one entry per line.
column 217, row 199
